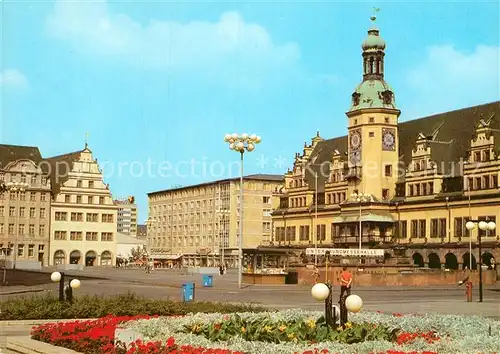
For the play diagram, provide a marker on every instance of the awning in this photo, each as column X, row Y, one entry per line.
column 366, row 217
column 171, row 257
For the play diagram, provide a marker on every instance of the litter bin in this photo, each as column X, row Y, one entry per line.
column 188, row 292
column 208, row 281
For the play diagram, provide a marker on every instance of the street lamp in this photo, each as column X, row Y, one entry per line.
column 16, row 187
column 361, row 198
column 57, row 277
column 485, row 226
column 241, row 143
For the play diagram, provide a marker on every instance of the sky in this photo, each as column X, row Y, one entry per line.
column 156, row 84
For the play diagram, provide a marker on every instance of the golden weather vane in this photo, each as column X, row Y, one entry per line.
column 374, row 16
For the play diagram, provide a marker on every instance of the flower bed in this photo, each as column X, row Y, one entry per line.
column 284, row 332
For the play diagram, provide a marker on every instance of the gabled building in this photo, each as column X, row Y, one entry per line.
column 24, row 205
column 408, row 187
column 83, row 215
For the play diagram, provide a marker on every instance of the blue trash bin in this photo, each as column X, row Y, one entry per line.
column 188, row 292
column 208, row 281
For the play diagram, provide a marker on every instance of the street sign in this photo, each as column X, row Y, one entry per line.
column 345, row 252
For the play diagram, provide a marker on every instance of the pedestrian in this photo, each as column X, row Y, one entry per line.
column 345, row 282
column 221, row 269
column 315, row 274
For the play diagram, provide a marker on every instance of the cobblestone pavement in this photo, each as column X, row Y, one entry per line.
column 168, row 284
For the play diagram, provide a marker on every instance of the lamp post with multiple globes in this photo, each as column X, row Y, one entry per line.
column 361, row 198
column 241, row 143
column 484, row 226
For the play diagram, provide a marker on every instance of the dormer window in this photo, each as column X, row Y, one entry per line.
column 387, row 97
column 355, row 98
column 477, row 156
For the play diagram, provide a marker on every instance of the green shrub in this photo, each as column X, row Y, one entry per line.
column 49, row 307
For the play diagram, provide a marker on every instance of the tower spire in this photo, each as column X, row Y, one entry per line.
column 373, row 51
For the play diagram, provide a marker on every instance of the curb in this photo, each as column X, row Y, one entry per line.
column 26, row 345
column 21, row 291
column 40, row 322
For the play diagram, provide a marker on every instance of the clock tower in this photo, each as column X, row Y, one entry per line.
column 373, row 126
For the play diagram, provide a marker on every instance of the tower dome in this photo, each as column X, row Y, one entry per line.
column 373, row 91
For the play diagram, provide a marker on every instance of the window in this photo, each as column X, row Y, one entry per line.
column 67, row 198
column 12, row 195
column 33, row 179
column 438, row 227
column 494, row 181
column 42, row 197
column 418, row 228
column 91, row 236
column 431, row 187
column 60, row 235
column 79, row 199
column 22, row 212
column 417, row 189
column 321, row 232
column 33, row 197
column 32, row 230
column 372, row 119
column 2, row 210
column 41, row 230
column 22, row 195
column 12, row 211
column 401, row 231
column 32, row 213
column 460, row 229
column 424, row 188
column 410, row 190
column 61, row 216
column 101, row 200
column 90, row 199
column 76, row 216
column 477, row 156
column 78, row 184
column 304, row 233
column 91, row 184
column 107, row 218
column 485, row 233
column 11, row 229
column 266, row 200
column 31, row 250
column 75, row 236
column 266, row 226
column 20, row 250
column 266, row 212
column 44, row 180
column 23, row 178
column 93, row 217
column 371, row 134
column 21, row 229
column 280, row 234
column 385, row 194
column 106, row 236
column 388, row 170
column 42, row 213
column 290, row 233
column 386, row 119
column 335, row 232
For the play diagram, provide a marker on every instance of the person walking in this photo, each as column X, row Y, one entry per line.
column 345, row 282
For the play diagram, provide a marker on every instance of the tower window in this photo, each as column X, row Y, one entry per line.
column 372, row 120
column 355, row 121
column 388, row 170
column 386, row 119
column 385, row 194
column 371, row 134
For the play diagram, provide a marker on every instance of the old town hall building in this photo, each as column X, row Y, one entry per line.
column 411, row 186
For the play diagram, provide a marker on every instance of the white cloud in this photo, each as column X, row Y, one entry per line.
column 229, row 45
column 448, row 78
column 13, row 78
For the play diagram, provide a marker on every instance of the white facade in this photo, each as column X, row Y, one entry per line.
column 125, row 243
column 127, row 216
column 83, row 216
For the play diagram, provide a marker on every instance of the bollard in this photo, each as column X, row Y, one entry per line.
column 343, row 310
column 468, row 290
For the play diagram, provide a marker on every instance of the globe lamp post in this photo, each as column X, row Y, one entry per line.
column 241, row 143
column 58, row 277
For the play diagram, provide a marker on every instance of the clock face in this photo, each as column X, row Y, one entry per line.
column 355, row 140
column 388, row 140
